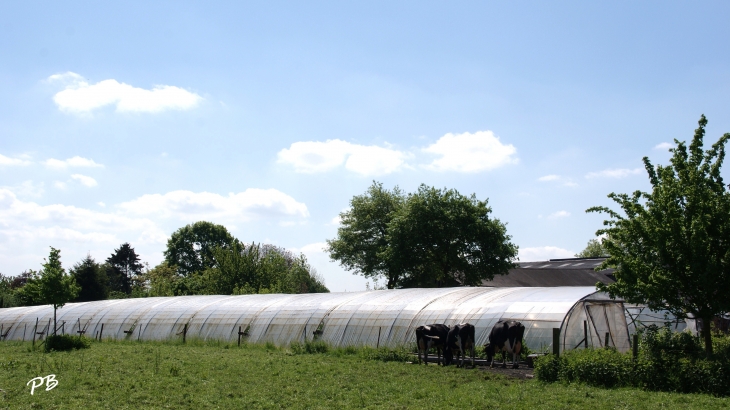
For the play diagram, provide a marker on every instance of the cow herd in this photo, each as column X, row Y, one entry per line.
column 456, row 341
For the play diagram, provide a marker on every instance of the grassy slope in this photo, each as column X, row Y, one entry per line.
column 152, row 375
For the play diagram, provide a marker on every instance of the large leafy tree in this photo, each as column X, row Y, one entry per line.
column 92, row 280
column 190, row 248
column 442, row 238
column 51, row 285
column 671, row 246
column 362, row 238
column 429, row 238
column 122, row 266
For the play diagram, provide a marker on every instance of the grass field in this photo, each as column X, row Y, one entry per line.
column 133, row 375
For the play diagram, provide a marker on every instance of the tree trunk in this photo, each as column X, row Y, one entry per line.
column 54, row 320
column 707, row 335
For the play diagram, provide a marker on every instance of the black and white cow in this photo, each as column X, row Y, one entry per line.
column 429, row 336
column 506, row 336
column 459, row 341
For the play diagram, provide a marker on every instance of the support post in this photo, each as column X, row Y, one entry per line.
column 239, row 336
column 35, row 329
column 585, row 334
column 378, row 345
column 185, row 331
column 556, row 341
column 101, row 331
column 24, row 325
column 606, row 342
column 635, row 347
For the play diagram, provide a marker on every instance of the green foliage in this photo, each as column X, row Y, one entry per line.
column 7, row 293
column 547, row 368
column 671, row 248
column 190, row 248
column 122, row 267
column 309, row 347
column 162, row 280
column 667, row 362
column 51, row 286
column 246, row 269
column 92, row 280
column 594, row 249
column 362, row 239
column 63, row 343
column 429, row 238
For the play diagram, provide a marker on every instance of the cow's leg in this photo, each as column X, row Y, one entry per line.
column 515, row 360
column 438, row 352
column 461, row 353
column 472, row 355
column 504, row 359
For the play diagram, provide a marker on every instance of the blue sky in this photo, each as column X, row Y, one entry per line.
column 124, row 123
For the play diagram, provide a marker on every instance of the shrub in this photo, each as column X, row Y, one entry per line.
column 667, row 361
column 547, row 368
column 62, row 343
column 309, row 347
column 399, row 354
column 597, row 367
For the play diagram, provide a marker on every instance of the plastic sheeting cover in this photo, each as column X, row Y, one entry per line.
column 372, row 318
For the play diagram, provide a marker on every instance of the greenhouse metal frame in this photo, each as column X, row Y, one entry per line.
column 382, row 318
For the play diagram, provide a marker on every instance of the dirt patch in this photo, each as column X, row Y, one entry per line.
column 523, row 372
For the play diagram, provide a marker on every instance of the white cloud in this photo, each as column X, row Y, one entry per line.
column 81, row 97
column 101, row 204
column 559, row 214
column 549, row 178
column 543, row 253
column 187, row 206
column 467, row 152
column 7, row 161
column 86, row 181
column 664, row 146
column 59, row 184
column 27, row 189
column 315, row 156
column 317, row 247
column 74, row 162
column 27, row 221
column 28, row 228
column 614, row 173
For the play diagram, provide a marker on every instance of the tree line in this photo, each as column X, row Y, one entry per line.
column 200, row 258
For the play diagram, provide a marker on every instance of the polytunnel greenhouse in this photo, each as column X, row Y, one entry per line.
column 372, row 318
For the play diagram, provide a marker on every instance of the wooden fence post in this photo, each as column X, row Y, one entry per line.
column 556, row 341
column 35, row 329
column 635, row 347
column 378, row 345
column 606, row 343
column 185, row 331
column 101, row 331
column 585, row 334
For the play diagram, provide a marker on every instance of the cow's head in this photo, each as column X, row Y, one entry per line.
column 448, row 356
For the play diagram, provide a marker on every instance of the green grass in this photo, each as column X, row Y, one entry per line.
column 217, row 375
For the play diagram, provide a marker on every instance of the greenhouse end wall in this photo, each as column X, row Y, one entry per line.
column 372, row 318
